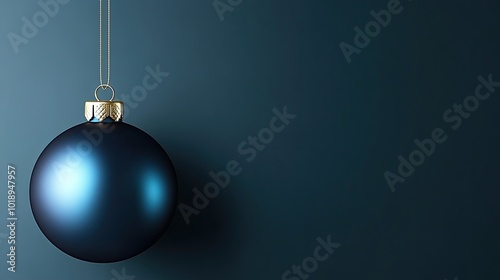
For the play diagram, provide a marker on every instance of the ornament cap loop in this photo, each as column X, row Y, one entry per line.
column 104, row 87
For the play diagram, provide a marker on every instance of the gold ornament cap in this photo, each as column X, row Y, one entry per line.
column 99, row 111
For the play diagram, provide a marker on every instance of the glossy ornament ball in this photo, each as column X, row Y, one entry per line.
column 103, row 192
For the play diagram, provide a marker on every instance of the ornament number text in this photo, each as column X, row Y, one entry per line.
column 11, row 218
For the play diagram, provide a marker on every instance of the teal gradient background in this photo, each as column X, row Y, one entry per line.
column 323, row 175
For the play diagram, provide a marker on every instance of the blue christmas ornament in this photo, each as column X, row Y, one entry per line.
column 103, row 191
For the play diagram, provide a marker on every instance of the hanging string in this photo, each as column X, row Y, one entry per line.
column 106, row 85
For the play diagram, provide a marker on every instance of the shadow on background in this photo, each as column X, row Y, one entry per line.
column 215, row 229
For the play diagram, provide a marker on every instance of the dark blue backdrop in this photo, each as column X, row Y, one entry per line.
column 363, row 86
